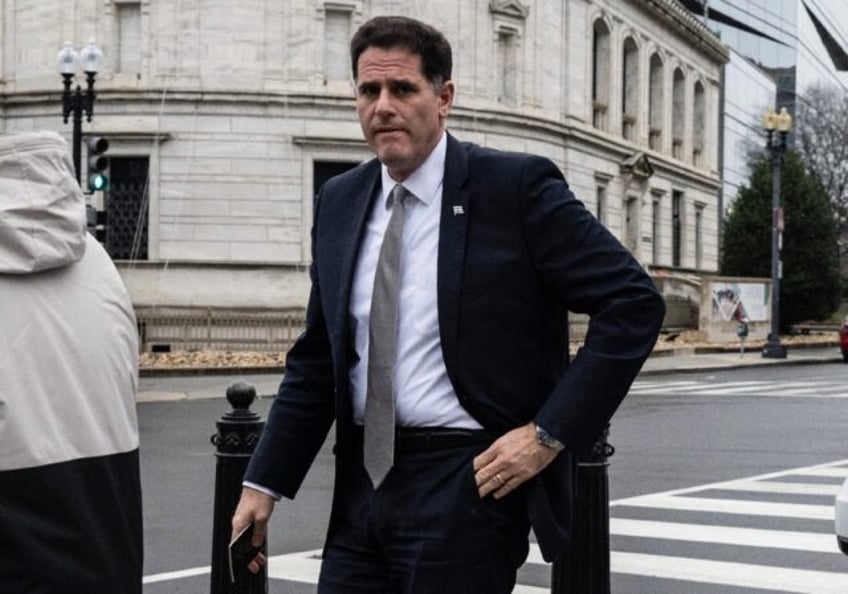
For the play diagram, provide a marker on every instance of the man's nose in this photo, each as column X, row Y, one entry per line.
column 385, row 101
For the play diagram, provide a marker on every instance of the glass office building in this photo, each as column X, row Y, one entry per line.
column 779, row 47
column 807, row 36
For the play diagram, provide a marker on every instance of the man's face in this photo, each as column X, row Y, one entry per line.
column 401, row 115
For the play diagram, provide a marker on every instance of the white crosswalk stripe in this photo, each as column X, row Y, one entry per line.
column 778, row 487
column 730, row 535
column 712, row 519
column 724, row 500
column 837, row 472
column 734, row 506
column 813, row 388
column 767, row 577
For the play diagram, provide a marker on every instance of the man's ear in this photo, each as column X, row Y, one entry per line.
column 446, row 96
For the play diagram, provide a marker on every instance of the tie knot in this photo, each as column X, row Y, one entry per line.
column 399, row 195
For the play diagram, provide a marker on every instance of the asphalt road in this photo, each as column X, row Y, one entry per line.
column 674, row 432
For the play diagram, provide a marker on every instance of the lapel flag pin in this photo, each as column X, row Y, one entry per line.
column 458, row 210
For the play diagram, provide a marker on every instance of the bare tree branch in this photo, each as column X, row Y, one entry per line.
column 822, row 140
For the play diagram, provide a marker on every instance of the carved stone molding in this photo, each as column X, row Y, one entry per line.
column 509, row 8
column 638, row 165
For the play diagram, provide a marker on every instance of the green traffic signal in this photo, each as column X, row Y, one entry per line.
column 98, row 182
column 97, row 163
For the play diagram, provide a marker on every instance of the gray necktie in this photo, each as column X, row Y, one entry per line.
column 379, row 444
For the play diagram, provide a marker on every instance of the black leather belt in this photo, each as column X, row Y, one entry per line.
column 417, row 439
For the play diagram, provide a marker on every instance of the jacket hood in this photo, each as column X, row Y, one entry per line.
column 42, row 208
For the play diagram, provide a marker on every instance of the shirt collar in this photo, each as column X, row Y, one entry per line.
column 425, row 181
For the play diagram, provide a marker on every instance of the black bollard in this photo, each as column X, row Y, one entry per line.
column 237, row 436
column 584, row 567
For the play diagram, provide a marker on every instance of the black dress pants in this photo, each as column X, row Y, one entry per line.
column 425, row 530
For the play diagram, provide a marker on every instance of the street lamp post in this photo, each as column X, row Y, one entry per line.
column 77, row 102
column 777, row 126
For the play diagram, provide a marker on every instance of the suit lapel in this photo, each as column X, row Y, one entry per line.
column 350, row 237
column 452, row 234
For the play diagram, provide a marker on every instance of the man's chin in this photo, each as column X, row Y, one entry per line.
column 393, row 160
column 390, row 151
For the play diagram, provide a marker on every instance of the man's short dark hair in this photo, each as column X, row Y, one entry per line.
column 387, row 32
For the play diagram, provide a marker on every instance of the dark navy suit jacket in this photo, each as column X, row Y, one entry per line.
column 516, row 252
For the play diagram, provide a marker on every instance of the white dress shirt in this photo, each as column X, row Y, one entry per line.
column 424, row 396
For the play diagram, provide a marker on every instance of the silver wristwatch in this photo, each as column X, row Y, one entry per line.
column 549, row 441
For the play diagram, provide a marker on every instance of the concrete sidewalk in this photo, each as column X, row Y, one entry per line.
column 687, row 360
column 196, row 384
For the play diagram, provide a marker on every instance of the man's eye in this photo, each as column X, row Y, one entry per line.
column 368, row 92
column 403, row 90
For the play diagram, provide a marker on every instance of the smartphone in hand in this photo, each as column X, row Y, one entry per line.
column 242, row 551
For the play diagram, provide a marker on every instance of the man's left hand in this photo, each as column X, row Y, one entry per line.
column 514, row 458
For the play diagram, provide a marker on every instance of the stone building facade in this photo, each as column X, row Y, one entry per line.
column 224, row 118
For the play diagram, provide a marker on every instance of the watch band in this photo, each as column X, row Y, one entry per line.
column 549, row 441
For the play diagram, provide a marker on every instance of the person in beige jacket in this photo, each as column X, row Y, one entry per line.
column 70, row 494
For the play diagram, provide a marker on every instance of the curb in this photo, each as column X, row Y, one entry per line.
column 753, row 347
column 740, row 365
column 183, row 371
column 825, row 344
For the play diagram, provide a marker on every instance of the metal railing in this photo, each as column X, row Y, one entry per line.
column 218, row 329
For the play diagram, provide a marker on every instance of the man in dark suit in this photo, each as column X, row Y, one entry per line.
column 484, row 407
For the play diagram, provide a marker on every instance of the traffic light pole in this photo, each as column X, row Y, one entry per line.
column 776, row 147
column 777, row 127
column 77, row 142
column 76, row 102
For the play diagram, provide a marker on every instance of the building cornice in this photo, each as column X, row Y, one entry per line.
column 524, row 125
column 567, row 131
column 175, row 96
column 660, row 161
column 675, row 14
column 326, row 141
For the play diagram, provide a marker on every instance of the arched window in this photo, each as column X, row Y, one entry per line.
column 629, row 89
column 678, row 122
column 600, row 73
column 655, row 103
column 699, row 123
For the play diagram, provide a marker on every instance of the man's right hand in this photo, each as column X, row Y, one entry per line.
column 253, row 506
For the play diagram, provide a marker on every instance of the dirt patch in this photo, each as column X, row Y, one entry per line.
column 212, row 360
column 275, row 361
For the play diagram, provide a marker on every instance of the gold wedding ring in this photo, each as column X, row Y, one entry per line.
column 500, row 479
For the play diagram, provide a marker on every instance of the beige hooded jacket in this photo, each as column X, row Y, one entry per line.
column 68, row 338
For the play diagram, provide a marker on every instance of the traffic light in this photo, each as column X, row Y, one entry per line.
column 97, row 163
